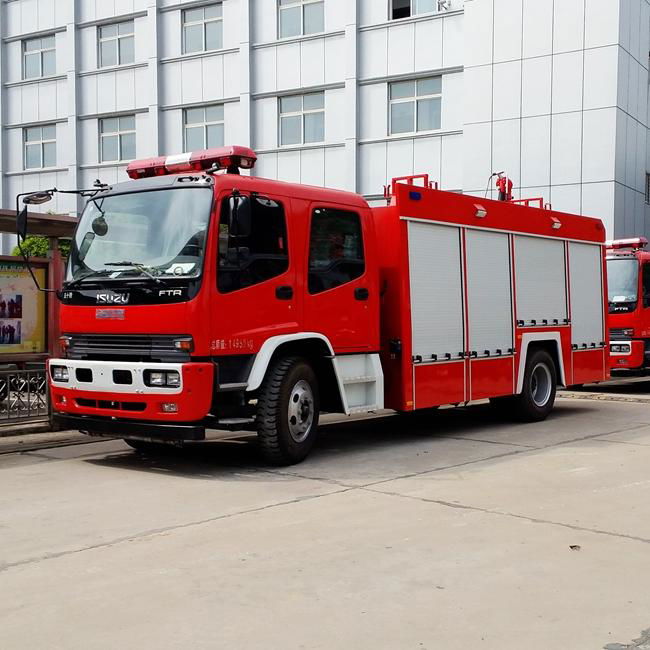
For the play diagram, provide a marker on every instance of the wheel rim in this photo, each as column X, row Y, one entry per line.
column 541, row 384
column 301, row 411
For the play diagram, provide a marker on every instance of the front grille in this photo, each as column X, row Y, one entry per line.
column 113, row 406
column 617, row 335
column 125, row 347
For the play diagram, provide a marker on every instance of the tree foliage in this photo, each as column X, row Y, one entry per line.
column 38, row 246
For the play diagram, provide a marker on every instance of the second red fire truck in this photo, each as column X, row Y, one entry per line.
column 197, row 298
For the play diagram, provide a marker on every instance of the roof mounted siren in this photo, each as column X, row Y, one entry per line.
column 229, row 159
column 634, row 243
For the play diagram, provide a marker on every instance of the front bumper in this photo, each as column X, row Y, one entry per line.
column 92, row 391
column 627, row 355
column 114, row 428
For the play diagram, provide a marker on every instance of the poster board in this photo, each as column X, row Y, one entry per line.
column 22, row 310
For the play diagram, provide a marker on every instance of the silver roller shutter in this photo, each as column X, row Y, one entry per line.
column 540, row 272
column 436, row 290
column 489, row 292
column 585, row 267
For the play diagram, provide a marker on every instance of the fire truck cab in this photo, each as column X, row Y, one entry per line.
column 197, row 298
column 628, row 277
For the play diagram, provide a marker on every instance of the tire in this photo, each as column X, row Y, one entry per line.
column 144, row 447
column 288, row 409
column 540, row 384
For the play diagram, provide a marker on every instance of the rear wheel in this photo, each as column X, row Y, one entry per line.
column 288, row 409
column 540, row 382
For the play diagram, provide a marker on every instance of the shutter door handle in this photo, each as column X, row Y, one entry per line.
column 284, row 293
column 361, row 294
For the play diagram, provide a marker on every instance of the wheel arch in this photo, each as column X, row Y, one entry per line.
column 313, row 346
column 549, row 341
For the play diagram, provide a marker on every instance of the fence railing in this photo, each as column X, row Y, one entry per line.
column 23, row 395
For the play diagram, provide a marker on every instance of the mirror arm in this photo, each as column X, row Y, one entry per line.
column 31, row 272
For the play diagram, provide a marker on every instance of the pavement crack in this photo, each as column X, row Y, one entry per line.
column 158, row 531
column 514, row 515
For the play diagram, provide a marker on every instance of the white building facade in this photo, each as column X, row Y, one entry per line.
column 343, row 93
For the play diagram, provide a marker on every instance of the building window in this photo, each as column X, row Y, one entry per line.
column 39, row 146
column 39, row 57
column 335, row 249
column 647, row 189
column 415, row 105
column 405, row 8
column 302, row 119
column 203, row 29
column 301, row 17
column 116, row 44
column 203, row 127
column 117, row 138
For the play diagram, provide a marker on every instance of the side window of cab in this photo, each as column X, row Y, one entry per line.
column 255, row 253
column 646, row 284
column 335, row 249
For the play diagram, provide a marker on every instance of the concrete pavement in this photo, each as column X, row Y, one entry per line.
column 449, row 530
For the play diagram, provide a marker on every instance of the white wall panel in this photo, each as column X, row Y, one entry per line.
column 288, row 65
column 451, row 167
column 372, row 12
column 171, row 88
column 601, row 69
column 231, row 74
column 598, row 201
column 506, row 149
column 538, row 28
column 335, row 59
column 265, row 132
column 192, row 81
column 566, row 198
column 336, row 174
column 14, row 150
column 88, row 48
column 373, row 106
column 478, row 94
column 264, row 69
column 399, row 159
column 312, row 63
column 476, row 156
column 536, row 86
column 289, row 166
column 335, row 116
column 436, row 290
column 88, row 142
column 453, row 42
column 428, row 45
column 567, row 82
column 536, row 151
column 568, row 26
column 13, row 61
column 267, row 165
column 234, row 130
column 125, row 90
column 599, row 145
column 14, row 106
column 478, row 22
column 507, row 30
column 373, row 54
column 312, row 167
column 172, row 140
column 601, row 22
column 335, row 15
column 426, row 157
column 566, row 143
column 401, row 46
column 264, row 22
column 506, row 102
column 170, row 35
column 489, row 292
column 585, row 270
column 453, row 90
column 30, row 107
column 372, row 168
column 540, row 280
column 232, row 26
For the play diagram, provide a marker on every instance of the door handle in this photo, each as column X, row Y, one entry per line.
column 361, row 293
column 284, row 293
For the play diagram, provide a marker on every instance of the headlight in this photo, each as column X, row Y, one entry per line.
column 156, row 378
column 59, row 373
column 185, row 343
column 621, row 349
column 169, row 378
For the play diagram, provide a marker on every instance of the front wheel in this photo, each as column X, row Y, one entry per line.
column 288, row 409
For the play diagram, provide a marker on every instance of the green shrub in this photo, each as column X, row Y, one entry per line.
column 38, row 246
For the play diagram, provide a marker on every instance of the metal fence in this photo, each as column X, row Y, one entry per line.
column 23, row 395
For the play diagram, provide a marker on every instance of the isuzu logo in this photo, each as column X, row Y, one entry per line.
column 112, row 298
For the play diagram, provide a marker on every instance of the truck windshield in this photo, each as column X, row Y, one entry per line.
column 149, row 234
column 622, row 280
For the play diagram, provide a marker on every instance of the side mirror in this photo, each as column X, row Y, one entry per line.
column 240, row 216
column 21, row 224
column 36, row 198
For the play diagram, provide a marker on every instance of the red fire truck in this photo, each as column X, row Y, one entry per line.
column 198, row 298
column 628, row 271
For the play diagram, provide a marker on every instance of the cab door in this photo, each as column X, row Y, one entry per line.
column 256, row 295
column 341, row 292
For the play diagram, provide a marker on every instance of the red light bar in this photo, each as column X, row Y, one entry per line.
column 635, row 243
column 229, row 158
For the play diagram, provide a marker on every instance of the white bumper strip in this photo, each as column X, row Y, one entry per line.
column 102, row 376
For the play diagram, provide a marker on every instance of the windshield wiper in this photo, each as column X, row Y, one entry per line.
column 136, row 265
column 76, row 281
